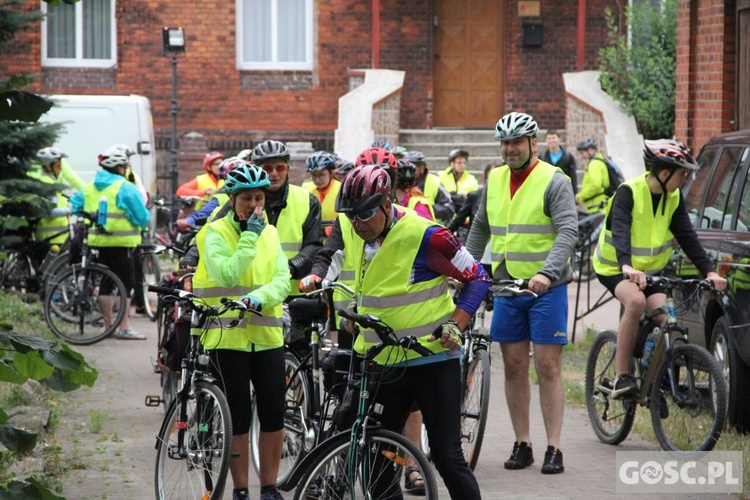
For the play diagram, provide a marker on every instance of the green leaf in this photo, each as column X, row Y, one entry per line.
column 32, row 365
column 13, row 223
column 16, row 439
column 3, row 417
column 23, row 343
column 23, row 106
column 27, row 490
column 58, row 358
column 9, row 374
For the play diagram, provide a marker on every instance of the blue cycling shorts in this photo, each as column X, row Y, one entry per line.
column 543, row 320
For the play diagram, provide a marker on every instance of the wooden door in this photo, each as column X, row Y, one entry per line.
column 468, row 71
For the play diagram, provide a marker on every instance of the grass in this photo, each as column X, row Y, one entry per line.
column 96, row 421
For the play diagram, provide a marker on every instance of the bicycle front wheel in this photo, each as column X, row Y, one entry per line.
column 611, row 419
column 375, row 471
column 73, row 304
column 16, row 273
column 691, row 416
column 299, row 434
column 193, row 463
column 475, row 405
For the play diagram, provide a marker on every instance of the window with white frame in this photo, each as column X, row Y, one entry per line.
column 79, row 35
column 275, row 34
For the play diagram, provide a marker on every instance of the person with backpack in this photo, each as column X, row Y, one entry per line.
column 592, row 197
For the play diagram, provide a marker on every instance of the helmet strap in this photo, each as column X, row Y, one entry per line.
column 663, row 185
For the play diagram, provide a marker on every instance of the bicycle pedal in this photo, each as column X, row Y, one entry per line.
column 153, row 400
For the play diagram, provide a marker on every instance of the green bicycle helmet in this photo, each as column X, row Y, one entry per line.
column 247, row 176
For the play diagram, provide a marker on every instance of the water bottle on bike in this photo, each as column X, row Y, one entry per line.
column 101, row 218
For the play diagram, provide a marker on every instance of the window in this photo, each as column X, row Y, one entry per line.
column 274, row 34
column 722, row 195
column 78, row 35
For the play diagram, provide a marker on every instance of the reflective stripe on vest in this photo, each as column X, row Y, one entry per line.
column 290, row 222
column 264, row 330
column 385, row 290
column 341, row 300
column 650, row 237
column 522, row 235
column 431, row 187
column 50, row 226
column 120, row 231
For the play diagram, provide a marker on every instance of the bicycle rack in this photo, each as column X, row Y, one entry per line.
column 586, row 228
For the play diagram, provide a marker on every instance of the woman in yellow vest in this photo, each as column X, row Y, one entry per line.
column 205, row 185
column 407, row 194
column 403, row 263
column 324, row 186
column 641, row 219
column 241, row 258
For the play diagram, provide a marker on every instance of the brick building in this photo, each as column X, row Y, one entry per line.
column 713, row 69
column 249, row 74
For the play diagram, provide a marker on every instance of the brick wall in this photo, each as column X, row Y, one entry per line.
column 705, row 96
column 534, row 75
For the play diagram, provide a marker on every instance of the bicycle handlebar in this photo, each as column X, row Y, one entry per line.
column 670, row 282
column 325, row 285
column 516, row 287
column 229, row 304
column 384, row 331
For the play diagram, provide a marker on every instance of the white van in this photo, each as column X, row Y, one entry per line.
column 92, row 123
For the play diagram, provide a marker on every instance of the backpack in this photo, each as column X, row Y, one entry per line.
column 615, row 177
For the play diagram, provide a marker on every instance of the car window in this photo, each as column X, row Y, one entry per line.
column 696, row 190
column 723, row 192
column 743, row 216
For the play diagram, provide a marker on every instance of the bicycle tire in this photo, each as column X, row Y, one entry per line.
column 299, row 434
column 150, row 275
column 193, row 473
column 78, row 319
column 16, row 272
column 168, row 382
column 56, row 266
column 611, row 419
column 693, row 418
column 475, row 405
column 330, row 478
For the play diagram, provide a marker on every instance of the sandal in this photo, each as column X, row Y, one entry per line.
column 414, row 484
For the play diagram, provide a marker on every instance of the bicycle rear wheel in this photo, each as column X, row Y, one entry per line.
column 377, row 471
column 475, row 405
column 197, row 467
column 611, row 419
column 692, row 417
column 150, row 275
column 299, row 434
column 72, row 304
column 16, row 273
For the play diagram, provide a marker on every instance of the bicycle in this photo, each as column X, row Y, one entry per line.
column 312, row 394
column 365, row 461
column 680, row 383
column 72, row 303
column 193, row 447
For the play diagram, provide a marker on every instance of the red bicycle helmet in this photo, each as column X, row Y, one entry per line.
column 363, row 188
column 376, row 156
column 209, row 159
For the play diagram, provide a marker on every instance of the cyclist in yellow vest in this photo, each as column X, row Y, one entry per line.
column 241, row 258
column 219, row 200
column 641, row 219
column 430, row 186
column 528, row 214
column 407, row 194
column 403, row 263
column 54, row 171
column 455, row 179
column 294, row 211
column 127, row 216
column 591, row 198
column 324, row 186
column 206, row 184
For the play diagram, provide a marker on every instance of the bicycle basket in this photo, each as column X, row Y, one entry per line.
column 336, row 370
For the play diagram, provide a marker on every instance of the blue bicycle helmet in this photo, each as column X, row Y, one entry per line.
column 320, row 160
column 247, row 176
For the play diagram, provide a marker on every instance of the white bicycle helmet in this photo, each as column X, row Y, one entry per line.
column 125, row 149
column 48, row 156
column 514, row 125
column 113, row 157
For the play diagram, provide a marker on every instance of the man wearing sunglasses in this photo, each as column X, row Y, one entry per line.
column 402, row 263
column 294, row 211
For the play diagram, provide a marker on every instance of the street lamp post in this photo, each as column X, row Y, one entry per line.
column 173, row 43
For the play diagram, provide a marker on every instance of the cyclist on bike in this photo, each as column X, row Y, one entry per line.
column 430, row 185
column 241, row 257
column 54, row 171
column 592, row 198
column 207, row 183
column 403, row 263
column 528, row 214
column 456, row 179
column 127, row 216
column 642, row 217
column 324, row 186
column 218, row 200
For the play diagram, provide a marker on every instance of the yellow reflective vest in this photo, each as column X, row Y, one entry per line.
column 466, row 183
column 50, row 226
column 384, row 289
column 650, row 237
column 290, row 222
column 265, row 330
column 431, row 187
column 206, row 181
column 120, row 231
column 327, row 205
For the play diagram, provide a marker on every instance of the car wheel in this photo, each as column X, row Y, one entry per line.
column 736, row 373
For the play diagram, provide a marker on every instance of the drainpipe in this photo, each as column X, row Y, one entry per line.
column 581, row 34
column 375, row 34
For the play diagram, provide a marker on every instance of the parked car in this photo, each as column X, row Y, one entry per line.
column 718, row 200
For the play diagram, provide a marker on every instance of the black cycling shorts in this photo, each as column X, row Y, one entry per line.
column 611, row 282
column 120, row 261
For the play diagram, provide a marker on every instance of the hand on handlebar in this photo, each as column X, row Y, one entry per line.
column 719, row 283
column 634, row 276
column 449, row 334
column 251, row 302
column 183, row 223
column 539, row 283
column 309, row 283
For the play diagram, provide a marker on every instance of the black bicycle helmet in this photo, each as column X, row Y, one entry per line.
column 586, row 143
column 406, row 174
column 668, row 153
column 455, row 153
column 416, row 157
column 320, row 160
column 269, row 150
column 344, row 168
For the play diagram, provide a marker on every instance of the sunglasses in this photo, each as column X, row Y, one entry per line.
column 363, row 216
column 279, row 168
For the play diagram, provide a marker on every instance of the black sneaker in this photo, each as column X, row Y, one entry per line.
column 521, row 456
column 553, row 461
column 241, row 494
column 625, row 387
column 271, row 494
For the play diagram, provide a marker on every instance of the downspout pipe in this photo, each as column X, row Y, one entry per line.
column 376, row 34
column 581, row 52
